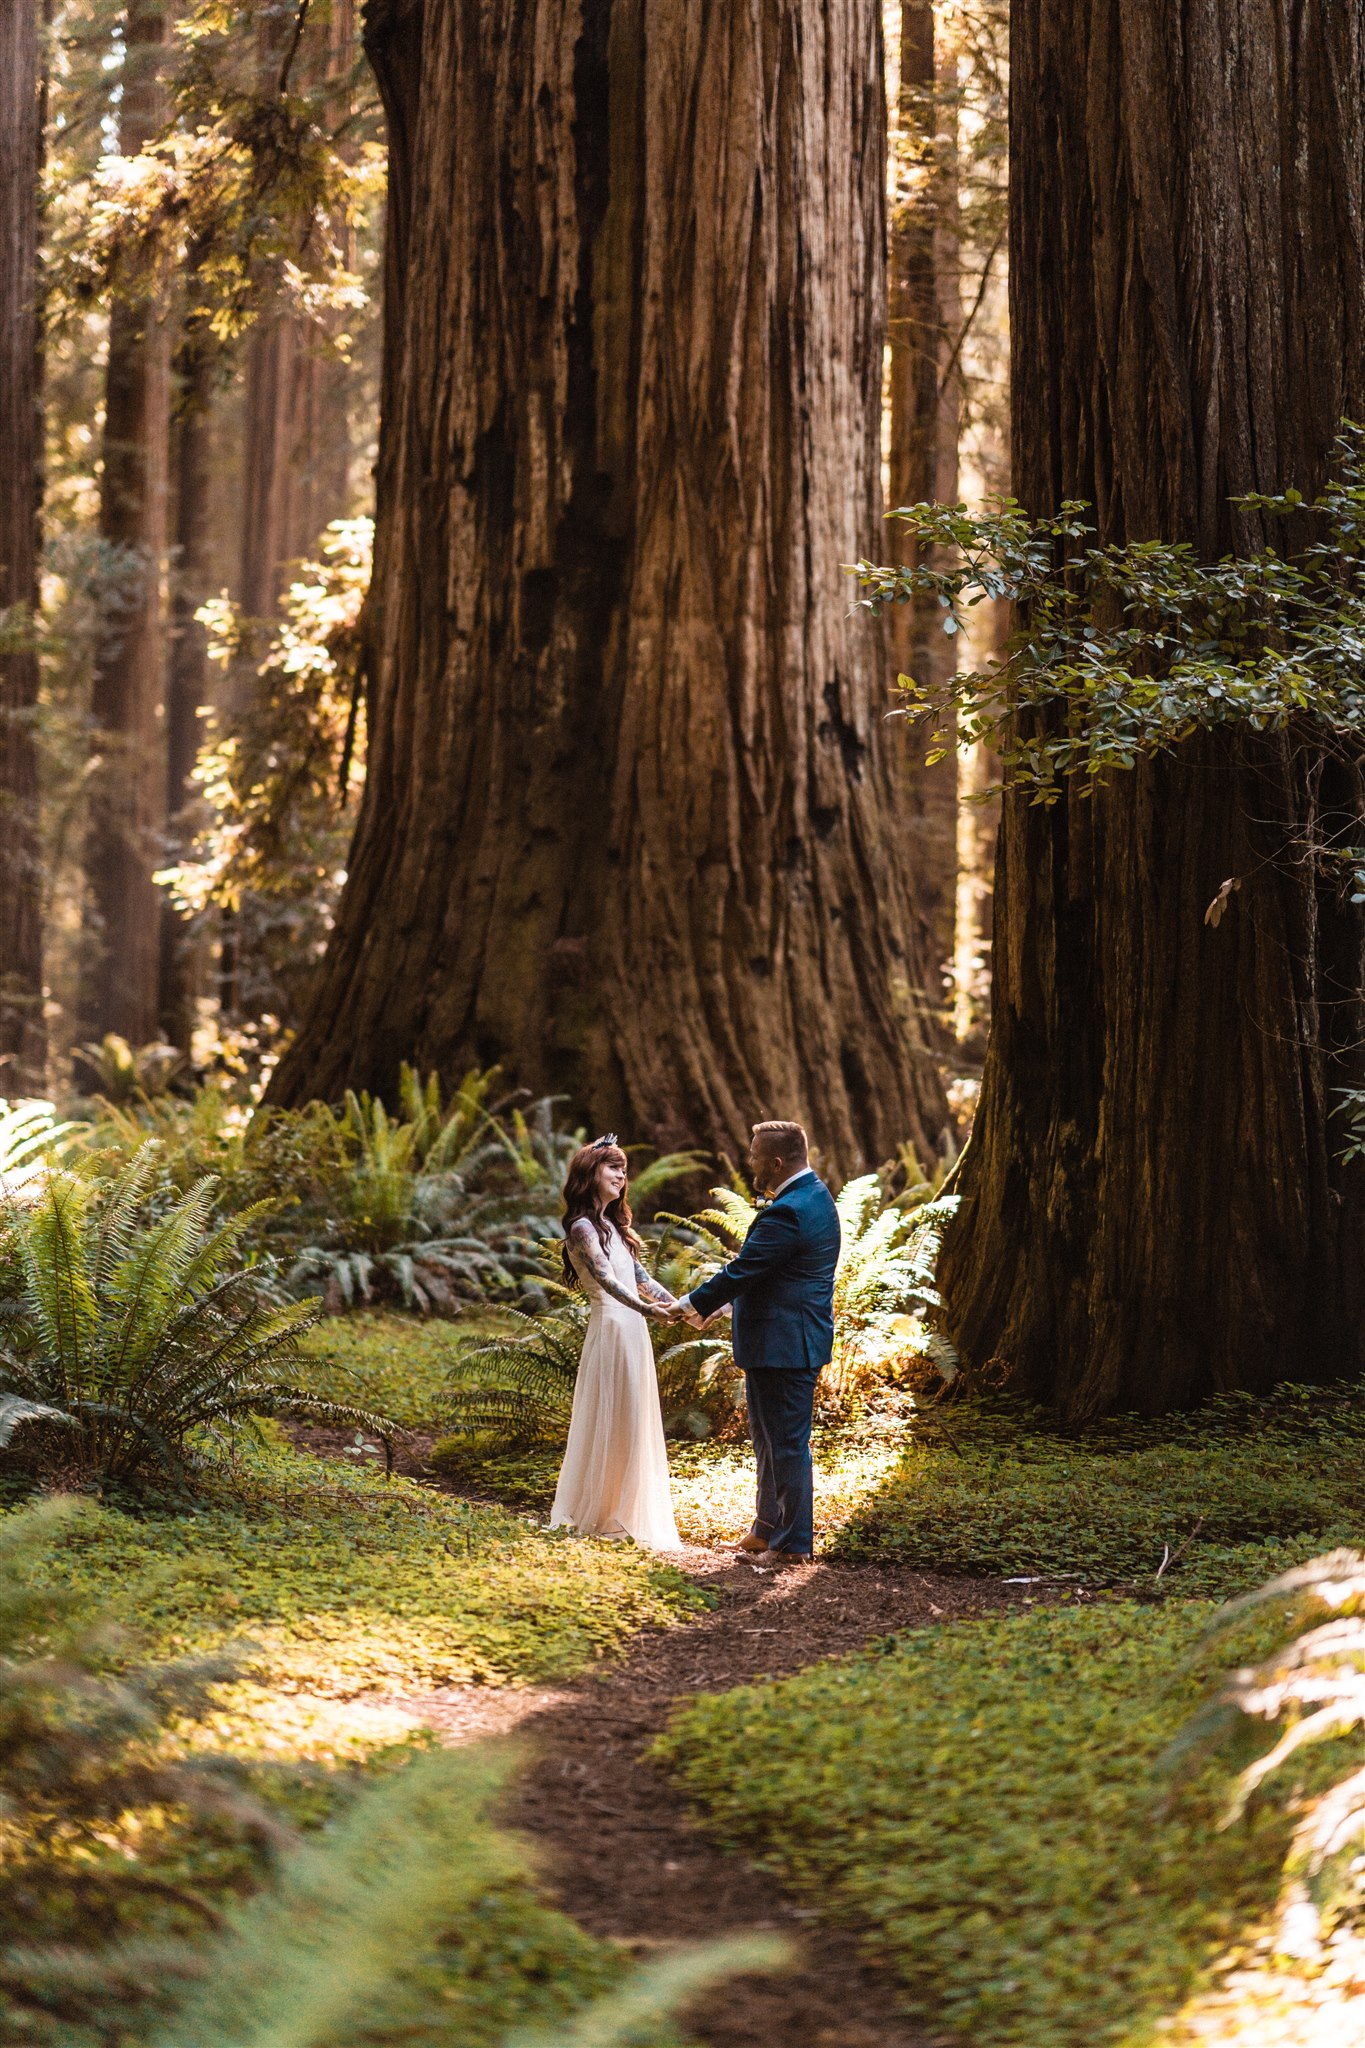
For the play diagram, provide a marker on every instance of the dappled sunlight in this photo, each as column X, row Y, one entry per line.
column 713, row 1484
column 337, row 1582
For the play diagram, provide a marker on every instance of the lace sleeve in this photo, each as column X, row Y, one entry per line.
column 650, row 1288
column 586, row 1251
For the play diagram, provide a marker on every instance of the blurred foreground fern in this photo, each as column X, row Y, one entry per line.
column 305, row 1962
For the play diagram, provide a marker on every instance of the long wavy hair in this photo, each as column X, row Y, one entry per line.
column 580, row 1199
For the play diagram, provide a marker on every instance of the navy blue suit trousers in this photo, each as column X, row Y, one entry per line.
column 781, row 1407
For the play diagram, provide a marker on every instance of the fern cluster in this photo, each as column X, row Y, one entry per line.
column 1310, row 1691
column 886, row 1302
column 519, row 1387
column 445, row 1201
column 122, row 1333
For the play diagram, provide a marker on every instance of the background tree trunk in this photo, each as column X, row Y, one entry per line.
column 187, row 662
column 1154, row 1205
column 297, row 452
column 23, row 1036
column 297, row 456
column 127, row 794
column 926, row 410
column 628, row 818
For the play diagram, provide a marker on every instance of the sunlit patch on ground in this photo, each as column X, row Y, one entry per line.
column 713, row 1484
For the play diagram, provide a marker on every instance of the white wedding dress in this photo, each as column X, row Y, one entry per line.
column 614, row 1479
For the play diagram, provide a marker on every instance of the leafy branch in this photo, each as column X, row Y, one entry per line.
column 1123, row 653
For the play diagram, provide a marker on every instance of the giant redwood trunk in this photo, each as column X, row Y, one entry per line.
column 22, row 1036
column 1154, row 1201
column 127, row 786
column 627, row 821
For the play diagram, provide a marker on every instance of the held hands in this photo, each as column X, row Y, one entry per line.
column 677, row 1312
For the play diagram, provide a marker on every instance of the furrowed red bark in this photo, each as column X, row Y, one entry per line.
column 1154, row 1201
column 628, row 823
column 23, row 1037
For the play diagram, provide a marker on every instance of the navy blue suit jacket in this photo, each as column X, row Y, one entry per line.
column 782, row 1282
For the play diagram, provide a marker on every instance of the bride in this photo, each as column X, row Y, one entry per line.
column 614, row 1479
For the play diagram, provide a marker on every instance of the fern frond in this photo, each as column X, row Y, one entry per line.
column 50, row 1240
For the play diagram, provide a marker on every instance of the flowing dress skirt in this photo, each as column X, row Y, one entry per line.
column 614, row 1479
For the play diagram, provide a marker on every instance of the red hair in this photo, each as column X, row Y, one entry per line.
column 580, row 1199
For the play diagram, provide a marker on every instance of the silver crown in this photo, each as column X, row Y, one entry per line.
column 605, row 1144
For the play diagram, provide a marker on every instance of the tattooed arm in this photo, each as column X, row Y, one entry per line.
column 585, row 1248
column 650, row 1288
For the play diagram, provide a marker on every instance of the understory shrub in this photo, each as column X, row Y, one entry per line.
column 982, row 1799
column 449, row 1202
column 886, row 1305
column 441, row 1204
column 1211, row 1502
column 121, row 1336
column 517, row 1387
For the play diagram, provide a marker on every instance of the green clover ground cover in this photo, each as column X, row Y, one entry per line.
column 349, row 1582
column 1235, row 1493
column 347, row 1585
column 981, row 1798
column 398, row 1364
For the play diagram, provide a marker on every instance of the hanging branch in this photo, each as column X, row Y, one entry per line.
column 300, row 20
column 976, row 308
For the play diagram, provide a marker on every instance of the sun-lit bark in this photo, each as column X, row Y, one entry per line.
column 925, row 303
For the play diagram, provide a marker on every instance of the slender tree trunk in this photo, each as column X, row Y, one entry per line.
column 926, row 411
column 23, row 1036
column 127, row 793
column 297, row 457
column 297, row 442
column 1154, row 1202
column 187, row 663
column 628, row 821
column 978, row 827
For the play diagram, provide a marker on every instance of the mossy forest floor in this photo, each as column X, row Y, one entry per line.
column 932, row 1757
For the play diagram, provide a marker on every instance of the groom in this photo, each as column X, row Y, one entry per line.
column 782, row 1287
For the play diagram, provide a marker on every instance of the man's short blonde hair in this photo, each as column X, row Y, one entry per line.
column 787, row 1140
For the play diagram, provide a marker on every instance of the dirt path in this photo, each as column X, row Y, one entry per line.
column 619, row 1848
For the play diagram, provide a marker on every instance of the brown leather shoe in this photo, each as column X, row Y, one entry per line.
column 779, row 1559
column 752, row 1542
